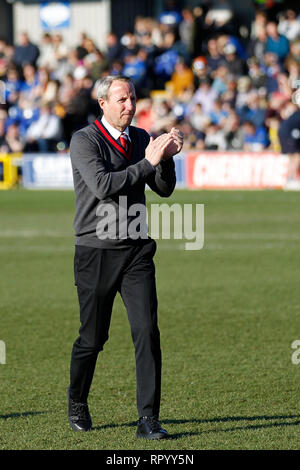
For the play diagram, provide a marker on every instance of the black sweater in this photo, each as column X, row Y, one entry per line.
column 104, row 177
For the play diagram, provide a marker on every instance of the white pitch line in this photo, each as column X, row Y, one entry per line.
column 214, row 236
column 33, row 233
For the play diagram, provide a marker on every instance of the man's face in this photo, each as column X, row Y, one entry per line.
column 119, row 108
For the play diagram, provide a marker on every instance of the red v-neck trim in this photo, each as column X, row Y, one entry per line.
column 113, row 141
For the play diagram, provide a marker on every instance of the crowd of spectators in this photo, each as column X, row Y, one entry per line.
column 226, row 87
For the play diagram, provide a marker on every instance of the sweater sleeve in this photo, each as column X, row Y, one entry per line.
column 163, row 181
column 88, row 162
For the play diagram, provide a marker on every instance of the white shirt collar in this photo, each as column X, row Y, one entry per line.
column 112, row 130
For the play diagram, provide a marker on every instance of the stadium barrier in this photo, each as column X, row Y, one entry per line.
column 53, row 171
column 194, row 170
column 46, row 171
column 236, row 170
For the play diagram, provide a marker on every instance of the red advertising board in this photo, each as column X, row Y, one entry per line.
column 241, row 170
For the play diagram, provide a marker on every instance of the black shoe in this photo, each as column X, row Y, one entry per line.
column 149, row 428
column 78, row 415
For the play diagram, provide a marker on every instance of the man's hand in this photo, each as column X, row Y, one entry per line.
column 158, row 147
column 175, row 145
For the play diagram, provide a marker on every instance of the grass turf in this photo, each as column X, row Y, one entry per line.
column 228, row 315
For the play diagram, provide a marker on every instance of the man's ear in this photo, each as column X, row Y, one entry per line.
column 101, row 103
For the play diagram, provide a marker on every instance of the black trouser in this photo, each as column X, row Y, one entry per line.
column 99, row 275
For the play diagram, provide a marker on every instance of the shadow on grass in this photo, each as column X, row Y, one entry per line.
column 277, row 421
column 23, row 415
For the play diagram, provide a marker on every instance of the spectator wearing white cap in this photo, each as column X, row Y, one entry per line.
column 235, row 64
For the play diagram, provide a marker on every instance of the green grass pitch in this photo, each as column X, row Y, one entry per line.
column 228, row 315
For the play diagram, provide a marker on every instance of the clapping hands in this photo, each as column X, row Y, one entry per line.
column 165, row 146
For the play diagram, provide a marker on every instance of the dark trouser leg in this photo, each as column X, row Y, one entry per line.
column 138, row 291
column 96, row 282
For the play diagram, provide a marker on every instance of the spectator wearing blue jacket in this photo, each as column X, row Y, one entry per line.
column 255, row 139
column 276, row 43
column 135, row 67
column 12, row 86
column 26, row 52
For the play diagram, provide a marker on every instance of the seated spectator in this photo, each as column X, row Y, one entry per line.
column 140, row 29
column 229, row 95
column 289, row 25
column 293, row 71
column 218, row 114
column 220, row 81
column 257, row 45
column 66, row 90
column 12, row 142
column 81, row 48
column 25, row 52
column 233, row 132
column 243, row 88
column 255, row 109
column 12, row 86
column 97, row 66
column 276, row 43
column 45, row 132
column 220, row 19
column 200, row 70
column 9, row 53
column 198, row 119
column 46, row 57
column 273, row 124
column 23, row 113
column 113, row 48
column 272, row 69
column 294, row 53
column 257, row 75
column 30, row 83
column 193, row 139
column 144, row 116
column 135, row 67
column 186, row 29
column 213, row 57
column 78, row 109
column 173, row 41
column 129, row 44
column 170, row 16
column 181, row 79
column 91, row 51
column 284, row 86
column 215, row 138
column 164, row 65
column 255, row 139
column 163, row 117
column 205, row 95
column 259, row 24
column 60, row 52
column 46, row 89
column 66, row 66
column 116, row 67
column 233, row 62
